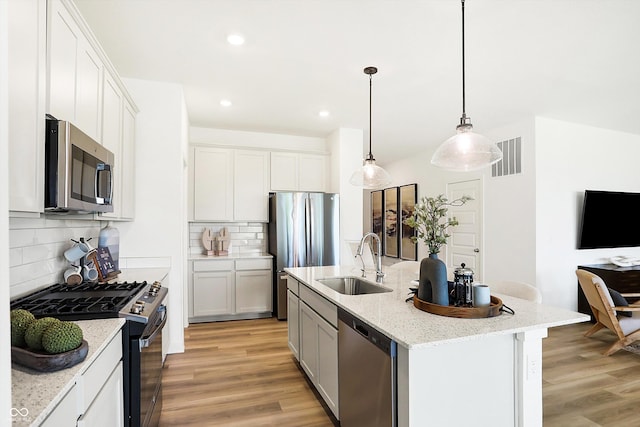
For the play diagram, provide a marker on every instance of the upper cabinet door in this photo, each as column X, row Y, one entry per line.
column 127, row 164
column 251, row 186
column 26, row 84
column 63, row 45
column 313, row 172
column 88, row 87
column 284, row 171
column 212, row 184
column 112, row 139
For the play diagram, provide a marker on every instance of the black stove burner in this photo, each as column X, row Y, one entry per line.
column 81, row 302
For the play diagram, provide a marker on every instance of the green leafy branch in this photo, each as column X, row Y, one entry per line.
column 427, row 220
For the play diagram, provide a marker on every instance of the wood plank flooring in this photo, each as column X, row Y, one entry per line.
column 242, row 373
column 238, row 373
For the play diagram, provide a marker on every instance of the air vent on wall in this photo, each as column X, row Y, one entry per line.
column 511, row 162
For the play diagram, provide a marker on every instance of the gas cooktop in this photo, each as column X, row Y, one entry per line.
column 80, row 302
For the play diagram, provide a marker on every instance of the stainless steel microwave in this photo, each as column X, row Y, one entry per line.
column 78, row 170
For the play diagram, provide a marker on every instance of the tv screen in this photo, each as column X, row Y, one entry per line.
column 610, row 220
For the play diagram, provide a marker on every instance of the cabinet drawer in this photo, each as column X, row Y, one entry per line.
column 320, row 305
column 92, row 380
column 253, row 264
column 213, row 265
column 293, row 285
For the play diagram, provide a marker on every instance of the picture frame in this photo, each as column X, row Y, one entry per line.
column 377, row 218
column 391, row 223
column 408, row 195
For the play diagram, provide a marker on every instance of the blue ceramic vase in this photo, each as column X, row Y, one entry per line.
column 433, row 286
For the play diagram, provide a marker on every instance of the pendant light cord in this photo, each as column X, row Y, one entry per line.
column 464, row 115
column 370, row 86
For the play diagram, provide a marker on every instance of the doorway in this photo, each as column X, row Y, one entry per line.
column 465, row 243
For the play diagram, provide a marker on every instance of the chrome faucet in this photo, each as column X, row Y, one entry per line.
column 379, row 273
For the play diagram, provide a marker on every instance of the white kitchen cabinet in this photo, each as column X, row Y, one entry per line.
column 74, row 72
column 26, row 98
column 318, row 343
column 213, row 293
column 319, row 354
column 230, row 185
column 312, row 175
column 106, row 410
column 127, row 165
column 251, row 185
column 298, row 172
column 66, row 411
column 111, row 137
column 293, row 323
column 253, row 291
column 212, row 184
column 227, row 289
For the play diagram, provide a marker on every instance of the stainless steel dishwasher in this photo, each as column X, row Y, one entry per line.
column 367, row 369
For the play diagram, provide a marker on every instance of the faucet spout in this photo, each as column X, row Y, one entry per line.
column 379, row 274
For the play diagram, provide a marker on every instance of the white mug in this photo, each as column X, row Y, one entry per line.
column 72, row 275
column 90, row 273
column 76, row 252
column 481, row 296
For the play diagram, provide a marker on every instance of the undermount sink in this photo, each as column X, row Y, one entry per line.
column 352, row 285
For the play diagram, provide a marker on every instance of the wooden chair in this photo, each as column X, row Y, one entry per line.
column 627, row 329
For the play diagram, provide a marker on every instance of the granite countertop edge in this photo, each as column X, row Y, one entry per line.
column 232, row 256
column 415, row 329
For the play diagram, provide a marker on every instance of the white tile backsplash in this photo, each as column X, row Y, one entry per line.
column 244, row 237
column 36, row 247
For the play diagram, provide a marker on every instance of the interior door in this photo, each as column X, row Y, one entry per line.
column 465, row 243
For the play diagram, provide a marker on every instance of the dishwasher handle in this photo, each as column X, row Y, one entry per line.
column 367, row 332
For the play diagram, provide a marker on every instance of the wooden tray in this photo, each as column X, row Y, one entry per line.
column 461, row 312
column 45, row 362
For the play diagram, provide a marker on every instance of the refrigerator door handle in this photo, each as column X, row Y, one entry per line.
column 308, row 214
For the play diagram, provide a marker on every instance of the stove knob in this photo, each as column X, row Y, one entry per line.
column 137, row 307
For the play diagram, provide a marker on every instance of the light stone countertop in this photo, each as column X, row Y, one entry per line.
column 197, row 257
column 35, row 394
column 413, row 328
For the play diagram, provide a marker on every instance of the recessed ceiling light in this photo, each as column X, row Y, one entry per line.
column 225, row 103
column 323, row 113
column 235, row 39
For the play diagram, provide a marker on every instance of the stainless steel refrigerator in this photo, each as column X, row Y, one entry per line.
column 304, row 231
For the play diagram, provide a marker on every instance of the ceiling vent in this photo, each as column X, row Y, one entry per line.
column 511, row 162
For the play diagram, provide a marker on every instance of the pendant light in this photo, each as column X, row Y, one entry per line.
column 466, row 150
column 370, row 175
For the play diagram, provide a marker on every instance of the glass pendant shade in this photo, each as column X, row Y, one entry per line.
column 370, row 176
column 466, row 151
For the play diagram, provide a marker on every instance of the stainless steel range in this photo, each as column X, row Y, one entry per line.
column 142, row 305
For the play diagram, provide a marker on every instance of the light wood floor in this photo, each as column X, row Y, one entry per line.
column 242, row 373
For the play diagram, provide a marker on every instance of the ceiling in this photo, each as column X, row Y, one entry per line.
column 574, row 60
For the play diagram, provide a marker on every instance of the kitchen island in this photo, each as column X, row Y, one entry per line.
column 451, row 371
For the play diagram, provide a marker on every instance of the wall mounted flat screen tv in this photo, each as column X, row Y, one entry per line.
column 609, row 220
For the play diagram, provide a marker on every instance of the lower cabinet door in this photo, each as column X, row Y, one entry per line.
column 309, row 341
column 65, row 413
column 213, row 293
column 254, row 292
column 106, row 410
column 293, row 325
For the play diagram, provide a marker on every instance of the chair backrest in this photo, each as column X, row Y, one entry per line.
column 599, row 298
column 517, row 289
column 410, row 266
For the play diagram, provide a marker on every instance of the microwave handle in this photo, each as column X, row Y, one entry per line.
column 102, row 167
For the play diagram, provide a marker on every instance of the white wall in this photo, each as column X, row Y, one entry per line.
column 346, row 156
column 508, row 245
column 159, row 229
column 267, row 141
column 5, row 354
column 571, row 158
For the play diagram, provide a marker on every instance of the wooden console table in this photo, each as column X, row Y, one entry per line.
column 622, row 279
